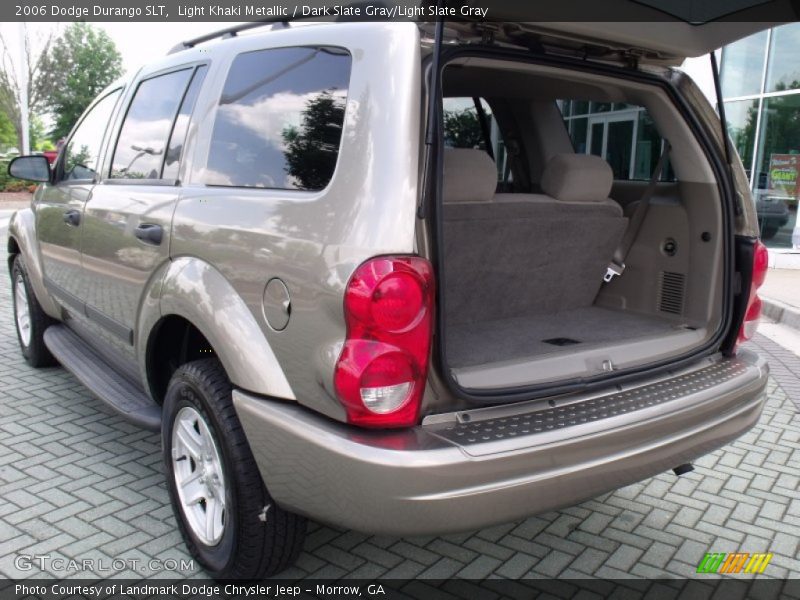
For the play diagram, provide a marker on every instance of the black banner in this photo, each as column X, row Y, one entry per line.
column 392, row 589
column 693, row 11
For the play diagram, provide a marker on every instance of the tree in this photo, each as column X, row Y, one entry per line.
column 312, row 148
column 36, row 51
column 462, row 129
column 82, row 62
column 8, row 135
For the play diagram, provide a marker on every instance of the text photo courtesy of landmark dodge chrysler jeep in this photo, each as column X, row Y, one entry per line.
column 397, row 277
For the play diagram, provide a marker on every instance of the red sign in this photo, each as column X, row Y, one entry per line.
column 783, row 170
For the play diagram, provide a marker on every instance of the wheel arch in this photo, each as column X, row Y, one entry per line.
column 174, row 341
column 192, row 312
column 22, row 242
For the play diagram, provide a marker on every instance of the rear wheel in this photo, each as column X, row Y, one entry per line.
column 228, row 520
column 29, row 318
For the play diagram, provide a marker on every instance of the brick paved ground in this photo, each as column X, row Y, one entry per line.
column 78, row 482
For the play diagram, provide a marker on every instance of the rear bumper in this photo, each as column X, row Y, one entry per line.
column 452, row 474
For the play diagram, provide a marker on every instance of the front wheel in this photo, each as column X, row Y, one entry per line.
column 29, row 318
column 228, row 520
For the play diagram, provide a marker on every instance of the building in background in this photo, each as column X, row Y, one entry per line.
column 760, row 78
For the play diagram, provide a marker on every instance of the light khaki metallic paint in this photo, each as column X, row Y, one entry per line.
column 199, row 293
column 415, row 482
column 313, row 241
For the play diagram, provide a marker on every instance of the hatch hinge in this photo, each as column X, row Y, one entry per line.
column 488, row 32
column 632, row 58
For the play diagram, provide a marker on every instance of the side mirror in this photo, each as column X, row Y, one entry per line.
column 30, row 168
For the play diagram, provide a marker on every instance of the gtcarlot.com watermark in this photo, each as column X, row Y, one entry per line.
column 58, row 564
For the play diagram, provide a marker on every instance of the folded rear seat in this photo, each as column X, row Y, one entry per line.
column 514, row 255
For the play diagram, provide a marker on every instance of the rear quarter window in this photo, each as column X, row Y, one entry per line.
column 279, row 120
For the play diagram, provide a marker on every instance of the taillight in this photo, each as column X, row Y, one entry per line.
column 388, row 307
column 753, row 313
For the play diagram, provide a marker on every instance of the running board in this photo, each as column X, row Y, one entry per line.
column 77, row 357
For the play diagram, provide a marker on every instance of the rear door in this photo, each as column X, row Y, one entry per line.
column 127, row 220
column 59, row 211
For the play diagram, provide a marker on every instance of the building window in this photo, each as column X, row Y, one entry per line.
column 623, row 134
column 783, row 69
column 742, row 66
column 776, row 185
column 742, row 116
column 761, row 90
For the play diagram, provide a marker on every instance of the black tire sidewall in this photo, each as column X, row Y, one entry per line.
column 185, row 391
column 35, row 353
column 16, row 271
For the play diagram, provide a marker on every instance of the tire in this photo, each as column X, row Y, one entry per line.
column 31, row 321
column 238, row 544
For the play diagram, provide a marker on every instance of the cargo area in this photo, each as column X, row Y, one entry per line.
column 570, row 330
column 538, row 198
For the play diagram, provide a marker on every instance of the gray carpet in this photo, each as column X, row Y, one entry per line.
column 474, row 344
column 513, row 259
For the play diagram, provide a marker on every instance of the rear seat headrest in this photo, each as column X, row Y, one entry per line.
column 469, row 175
column 577, row 178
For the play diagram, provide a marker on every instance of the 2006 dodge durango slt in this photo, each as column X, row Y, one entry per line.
column 401, row 278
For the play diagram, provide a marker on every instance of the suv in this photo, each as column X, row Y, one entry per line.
column 345, row 290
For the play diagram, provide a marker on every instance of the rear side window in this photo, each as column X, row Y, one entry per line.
column 470, row 123
column 625, row 135
column 82, row 152
column 142, row 142
column 280, row 117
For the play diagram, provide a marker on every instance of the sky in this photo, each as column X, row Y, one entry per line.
column 139, row 43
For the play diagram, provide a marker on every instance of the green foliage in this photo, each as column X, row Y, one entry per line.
column 8, row 135
column 462, row 129
column 38, row 135
column 10, row 184
column 311, row 149
column 4, row 176
column 82, row 61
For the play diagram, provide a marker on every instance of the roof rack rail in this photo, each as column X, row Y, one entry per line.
column 228, row 32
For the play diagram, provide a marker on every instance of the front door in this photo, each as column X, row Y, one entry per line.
column 129, row 214
column 59, row 209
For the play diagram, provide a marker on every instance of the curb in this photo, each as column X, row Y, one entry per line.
column 781, row 312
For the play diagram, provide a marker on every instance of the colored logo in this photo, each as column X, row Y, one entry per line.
column 737, row 562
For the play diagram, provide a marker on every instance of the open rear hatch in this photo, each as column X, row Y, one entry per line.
column 648, row 31
column 530, row 220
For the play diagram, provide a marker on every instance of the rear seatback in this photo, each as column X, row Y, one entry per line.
column 514, row 255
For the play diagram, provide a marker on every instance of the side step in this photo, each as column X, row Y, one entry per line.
column 88, row 366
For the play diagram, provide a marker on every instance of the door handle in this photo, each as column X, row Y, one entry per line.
column 149, row 233
column 72, row 217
